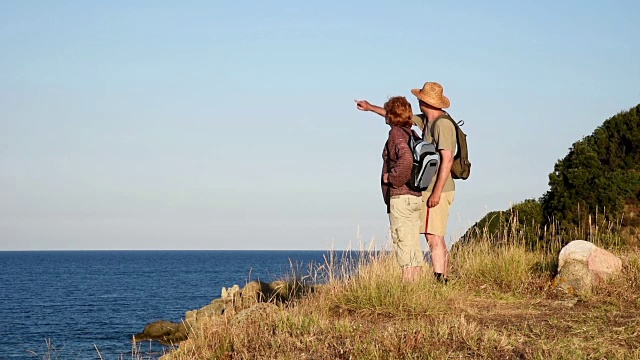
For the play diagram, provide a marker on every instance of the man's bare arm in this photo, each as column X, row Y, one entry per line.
column 364, row 105
column 444, row 170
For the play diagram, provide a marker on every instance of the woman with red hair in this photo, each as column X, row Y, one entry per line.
column 403, row 204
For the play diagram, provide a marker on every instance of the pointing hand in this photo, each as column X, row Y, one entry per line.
column 363, row 105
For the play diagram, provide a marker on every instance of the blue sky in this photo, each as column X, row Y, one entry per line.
column 231, row 125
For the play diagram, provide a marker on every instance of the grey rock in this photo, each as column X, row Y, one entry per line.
column 582, row 265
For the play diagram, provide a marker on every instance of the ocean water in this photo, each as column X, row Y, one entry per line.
column 65, row 304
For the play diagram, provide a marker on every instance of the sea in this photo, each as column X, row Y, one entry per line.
column 89, row 304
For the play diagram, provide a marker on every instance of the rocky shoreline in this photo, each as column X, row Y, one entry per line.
column 255, row 299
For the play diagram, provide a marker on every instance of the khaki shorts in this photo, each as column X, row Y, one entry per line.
column 404, row 219
column 434, row 220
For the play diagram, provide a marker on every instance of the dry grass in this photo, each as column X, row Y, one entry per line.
column 498, row 305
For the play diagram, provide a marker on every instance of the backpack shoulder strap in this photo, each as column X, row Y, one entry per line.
column 409, row 132
column 445, row 116
column 424, row 126
column 456, row 125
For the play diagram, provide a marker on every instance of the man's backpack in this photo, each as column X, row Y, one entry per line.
column 461, row 167
column 425, row 161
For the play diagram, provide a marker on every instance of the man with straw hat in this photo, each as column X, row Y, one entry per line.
column 439, row 195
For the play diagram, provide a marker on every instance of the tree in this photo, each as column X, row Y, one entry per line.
column 600, row 175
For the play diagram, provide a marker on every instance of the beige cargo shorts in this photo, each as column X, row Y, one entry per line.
column 404, row 219
column 434, row 220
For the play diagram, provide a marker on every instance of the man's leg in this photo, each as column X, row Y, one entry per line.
column 439, row 254
column 435, row 230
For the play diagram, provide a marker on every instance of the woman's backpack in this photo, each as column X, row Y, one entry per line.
column 425, row 161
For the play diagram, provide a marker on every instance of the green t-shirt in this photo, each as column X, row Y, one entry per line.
column 444, row 135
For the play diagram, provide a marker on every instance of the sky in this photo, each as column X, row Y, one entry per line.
column 218, row 125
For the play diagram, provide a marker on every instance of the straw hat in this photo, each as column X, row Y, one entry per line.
column 431, row 93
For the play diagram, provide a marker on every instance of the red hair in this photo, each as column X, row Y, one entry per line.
column 398, row 111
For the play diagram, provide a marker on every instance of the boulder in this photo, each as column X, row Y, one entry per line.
column 258, row 291
column 581, row 265
column 166, row 332
column 230, row 294
column 277, row 291
column 216, row 308
column 255, row 291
